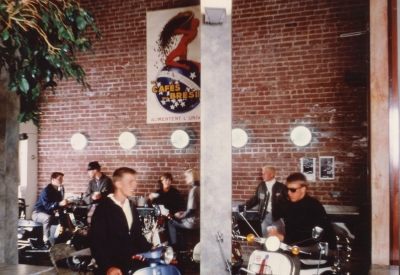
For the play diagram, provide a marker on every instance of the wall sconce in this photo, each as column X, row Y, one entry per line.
column 78, row 141
column 180, row 139
column 301, row 136
column 214, row 15
column 239, row 138
column 127, row 140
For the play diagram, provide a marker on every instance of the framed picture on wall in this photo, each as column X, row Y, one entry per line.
column 308, row 168
column 326, row 168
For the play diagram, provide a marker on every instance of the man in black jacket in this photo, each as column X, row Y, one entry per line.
column 48, row 204
column 271, row 197
column 116, row 233
column 303, row 213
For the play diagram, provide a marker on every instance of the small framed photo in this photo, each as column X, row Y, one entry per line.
column 308, row 168
column 326, row 168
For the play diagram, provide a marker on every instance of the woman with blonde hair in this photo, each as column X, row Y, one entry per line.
column 189, row 219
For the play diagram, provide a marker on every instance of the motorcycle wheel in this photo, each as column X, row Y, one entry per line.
column 74, row 263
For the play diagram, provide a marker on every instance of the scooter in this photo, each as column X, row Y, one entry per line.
column 153, row 225
column 280, row 258
column 233, row 266
column 160, row 260
column 70, row 228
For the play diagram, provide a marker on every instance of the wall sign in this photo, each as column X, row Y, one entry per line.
column 326, row 168
column 173, row 65
column 307, row 166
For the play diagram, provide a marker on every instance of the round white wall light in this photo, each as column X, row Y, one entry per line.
column 301, row 136
column 78, row 141
column 239, row 138
column 127, row 140
column 180, row 139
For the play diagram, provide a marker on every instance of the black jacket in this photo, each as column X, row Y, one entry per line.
column 48, row 200
column 279, row 200
column 172, row 200
column 111, row 242
column 301, row 217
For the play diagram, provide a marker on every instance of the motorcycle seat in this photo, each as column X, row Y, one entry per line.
column 29, row 223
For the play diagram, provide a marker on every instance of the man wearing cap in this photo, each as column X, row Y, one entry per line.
column 99, row 186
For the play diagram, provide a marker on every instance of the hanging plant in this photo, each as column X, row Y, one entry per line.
column 39, row 40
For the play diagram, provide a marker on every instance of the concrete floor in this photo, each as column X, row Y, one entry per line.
column 23, row 269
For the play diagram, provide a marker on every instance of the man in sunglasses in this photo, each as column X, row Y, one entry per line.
column 303, row 213
column 271, row 197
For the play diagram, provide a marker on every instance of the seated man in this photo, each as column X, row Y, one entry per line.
column 116, row 233
column 302, row 214
column 49, row 201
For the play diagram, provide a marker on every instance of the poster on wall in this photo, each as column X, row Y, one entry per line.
column 308, row 168
column 173, row 65
column 326, row 168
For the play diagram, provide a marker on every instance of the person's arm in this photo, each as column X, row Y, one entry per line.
column 88, row 194
column 253, row 201
column 107, row 188
column 98, row 238
column 50, row 202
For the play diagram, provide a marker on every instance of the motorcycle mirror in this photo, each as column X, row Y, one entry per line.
column 272, row 243
column 317, row 233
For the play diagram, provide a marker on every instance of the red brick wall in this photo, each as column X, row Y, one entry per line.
column 289, row 67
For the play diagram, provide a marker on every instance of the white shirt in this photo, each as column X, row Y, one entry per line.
column 126, row 208
column 269, row 185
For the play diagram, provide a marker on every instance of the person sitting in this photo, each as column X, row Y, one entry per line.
column 189, row 219
column 302, row 214
column 168, row 195
column 50, row 199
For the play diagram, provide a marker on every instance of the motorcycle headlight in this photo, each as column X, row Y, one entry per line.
column 167, row 254
column 272, row 243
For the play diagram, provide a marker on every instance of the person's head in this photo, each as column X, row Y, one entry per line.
column 296, row 184
column 57, row 178
column 192, row 176
column 124, row 180
column 268, row 173
column 166, row 180
column 93, row 169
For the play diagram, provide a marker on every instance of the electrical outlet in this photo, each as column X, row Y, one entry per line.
column 335, row 194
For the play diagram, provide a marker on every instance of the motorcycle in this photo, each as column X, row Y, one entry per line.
column 234, row 265
column 70, row 227
column 154, row 224
column 280, row 258
column 160, row 260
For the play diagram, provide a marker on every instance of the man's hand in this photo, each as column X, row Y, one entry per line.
column 178, row 214
column 274, row 232
column 64, row 202
column 114, row 271
column 96, row 196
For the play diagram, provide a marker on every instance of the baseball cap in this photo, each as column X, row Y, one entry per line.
column 93, row 165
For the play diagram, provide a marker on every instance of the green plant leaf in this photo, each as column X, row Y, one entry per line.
column 24, row 85
column 81, row 22
column 5, row 35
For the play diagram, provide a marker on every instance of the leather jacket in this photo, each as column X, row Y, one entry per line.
column 279, row 200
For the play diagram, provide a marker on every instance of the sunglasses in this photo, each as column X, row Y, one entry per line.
column 293, row 190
